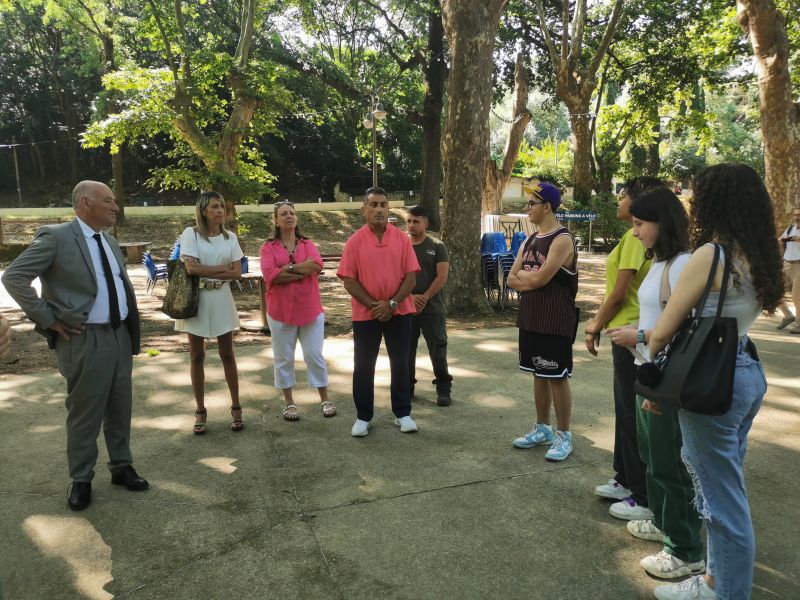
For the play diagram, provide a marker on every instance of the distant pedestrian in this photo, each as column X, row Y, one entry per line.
column 790, row 239
column 378, row 269
column 545, row 273
column 428, row 296
column 290, row 265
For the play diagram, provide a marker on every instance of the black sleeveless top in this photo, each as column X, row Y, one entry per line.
column 551, row 308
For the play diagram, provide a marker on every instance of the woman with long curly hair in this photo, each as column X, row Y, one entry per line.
column 731, row 207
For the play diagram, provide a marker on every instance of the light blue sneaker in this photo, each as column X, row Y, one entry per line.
column 562, row 446
column 540, row 435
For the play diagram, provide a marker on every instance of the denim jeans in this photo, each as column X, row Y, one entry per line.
column 714, row 449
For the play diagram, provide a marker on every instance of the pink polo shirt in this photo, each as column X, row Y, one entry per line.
column 296, row 303
column 379, row 267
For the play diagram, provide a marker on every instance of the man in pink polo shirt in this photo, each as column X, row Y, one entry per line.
column 378, row 269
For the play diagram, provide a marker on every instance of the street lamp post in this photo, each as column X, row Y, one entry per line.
column 370, row 121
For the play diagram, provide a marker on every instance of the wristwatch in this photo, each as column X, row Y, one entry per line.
column 393, row 304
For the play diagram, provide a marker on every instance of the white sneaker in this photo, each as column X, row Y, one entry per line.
column 406, row 424
column 666, row 566
column 612, row 490
column 629, row 510
column 360, row 428
column 645, row 530
column 694, row 588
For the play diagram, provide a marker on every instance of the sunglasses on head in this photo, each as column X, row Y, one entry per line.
column 284, row 203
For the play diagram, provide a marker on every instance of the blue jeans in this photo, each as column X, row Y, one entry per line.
column 713, row 450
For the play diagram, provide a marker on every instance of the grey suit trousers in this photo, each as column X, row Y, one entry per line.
column 97, row 365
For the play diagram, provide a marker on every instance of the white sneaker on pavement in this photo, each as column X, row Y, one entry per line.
column 645, row 530
column 612, row 490
column 694, row 588
column 666, row 566
column 406, row 424
column 360, row 428
column 629, row 510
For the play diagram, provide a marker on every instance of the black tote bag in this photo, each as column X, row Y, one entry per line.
column 695, row 370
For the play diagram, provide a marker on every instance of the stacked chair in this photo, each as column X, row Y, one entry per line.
column 493, row 252
column 155, row 273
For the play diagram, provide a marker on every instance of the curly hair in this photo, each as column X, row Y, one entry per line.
column 731, row 204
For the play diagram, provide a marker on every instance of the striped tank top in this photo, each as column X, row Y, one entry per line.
column 550, row 309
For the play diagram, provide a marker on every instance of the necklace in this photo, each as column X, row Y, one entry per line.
column 291, row 252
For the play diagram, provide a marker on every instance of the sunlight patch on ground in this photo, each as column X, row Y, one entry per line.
column 44, row 428
column 168, row 423
column 789, row 383
column 77, row 543
column 497, row 346
column 223, row 464
column 494, row 401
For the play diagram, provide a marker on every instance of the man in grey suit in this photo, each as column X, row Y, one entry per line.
column 87, row 312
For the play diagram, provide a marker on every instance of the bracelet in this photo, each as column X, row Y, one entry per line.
column 640, row 338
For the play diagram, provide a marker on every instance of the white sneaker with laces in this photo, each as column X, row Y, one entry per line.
column 694, row 588
column 666, row 566
column 561, row 448
column 645, row 530
column 360, row 428
column 612, row 490
column 406, row 424
column 629, row 510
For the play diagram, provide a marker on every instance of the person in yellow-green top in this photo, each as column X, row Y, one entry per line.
column 626, row 268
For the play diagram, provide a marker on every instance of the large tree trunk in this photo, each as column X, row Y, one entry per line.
column 780, row 116
column 435, row 71
column 471, row 26
column 496, row 178
column 581, row 141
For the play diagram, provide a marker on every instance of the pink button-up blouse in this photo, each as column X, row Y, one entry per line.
column 296, row 303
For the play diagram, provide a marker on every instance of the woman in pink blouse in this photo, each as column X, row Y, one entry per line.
column 290, row 265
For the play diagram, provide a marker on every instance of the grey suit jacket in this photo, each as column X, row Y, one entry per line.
column 60, row 257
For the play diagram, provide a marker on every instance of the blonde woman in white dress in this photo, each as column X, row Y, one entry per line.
column 213, row 253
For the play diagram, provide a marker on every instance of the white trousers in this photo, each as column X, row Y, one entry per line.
column 284, row 342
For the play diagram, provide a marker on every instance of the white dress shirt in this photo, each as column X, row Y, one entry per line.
column 101, row 313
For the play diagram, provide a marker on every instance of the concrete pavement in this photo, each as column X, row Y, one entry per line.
column 303, row 510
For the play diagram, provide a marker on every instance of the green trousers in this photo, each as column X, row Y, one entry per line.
column 670, row 494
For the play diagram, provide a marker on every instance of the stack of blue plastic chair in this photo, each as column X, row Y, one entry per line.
column 517, row 241
column 175, row 253
column 493, row 247
column 155, row 273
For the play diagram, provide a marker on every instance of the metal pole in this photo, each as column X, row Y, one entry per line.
column 16, row 169
column 590, row 237
column 374, row 143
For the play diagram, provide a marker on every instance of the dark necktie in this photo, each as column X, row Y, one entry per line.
column 113, row 301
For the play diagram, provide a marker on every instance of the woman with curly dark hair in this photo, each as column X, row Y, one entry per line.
column 731, row 207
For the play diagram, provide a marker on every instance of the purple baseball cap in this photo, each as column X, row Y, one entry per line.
column 544, row 191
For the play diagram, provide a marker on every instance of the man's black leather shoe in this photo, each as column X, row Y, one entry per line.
column 128, row 477
column 80, row 496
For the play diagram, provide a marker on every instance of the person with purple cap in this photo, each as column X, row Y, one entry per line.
column 545, row 273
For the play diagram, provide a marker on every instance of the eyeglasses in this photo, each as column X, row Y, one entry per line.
column 284, row 203
column 532, row 203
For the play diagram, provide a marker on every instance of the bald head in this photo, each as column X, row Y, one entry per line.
column 94, row 203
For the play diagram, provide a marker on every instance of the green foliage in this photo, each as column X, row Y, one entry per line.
column 541, row 162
